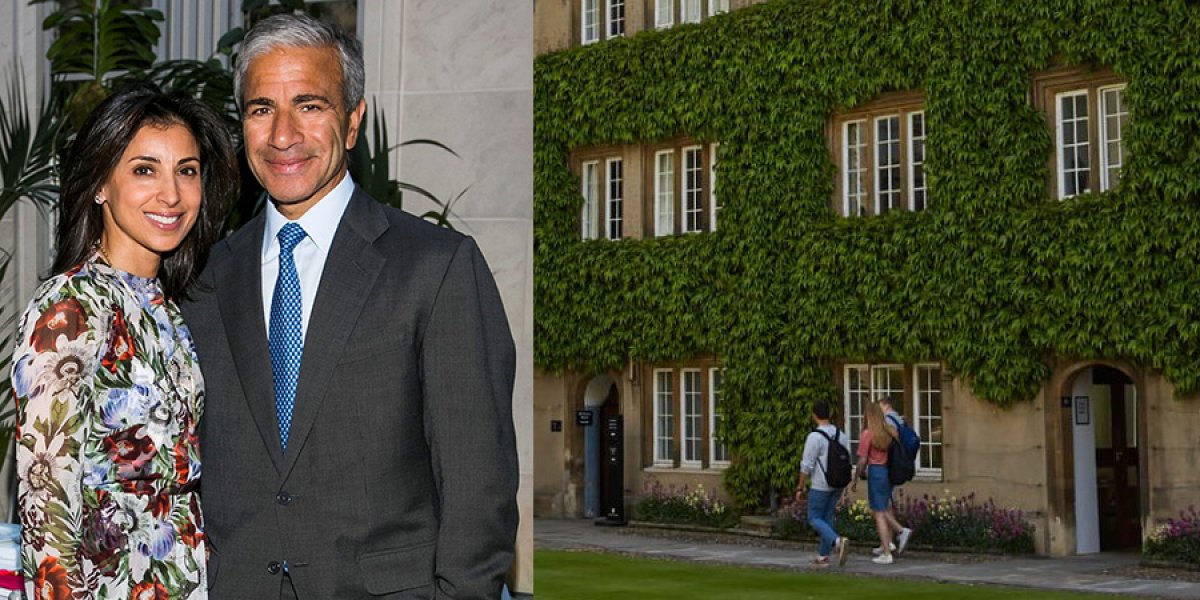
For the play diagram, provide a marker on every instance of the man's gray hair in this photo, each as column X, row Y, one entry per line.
column 303, row 31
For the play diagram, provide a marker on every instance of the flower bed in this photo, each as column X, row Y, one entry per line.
column 1177, row 541
column 949, row 523
column 669, row 504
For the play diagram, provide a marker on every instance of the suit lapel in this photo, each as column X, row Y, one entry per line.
column 239, row 294
column 350, row 272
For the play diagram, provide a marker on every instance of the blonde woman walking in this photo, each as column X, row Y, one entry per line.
column 873, row 458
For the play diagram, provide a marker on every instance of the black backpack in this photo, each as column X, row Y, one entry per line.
column 837, row 460
column 902, row 464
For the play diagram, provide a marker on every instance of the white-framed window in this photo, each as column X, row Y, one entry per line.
column 720, row 451
column 664, row 417
column 1073, row 143
column 692, row 434
column 881, row 148
column 615, row 197
column 664, row 192
column 887, row 163
column 681, row 187
column 1087, row 112
column 717, row 7
column 714, row 206
column 1114, row 116
column 863, row 384
column 916, row 161
column 927, row 415
column 664, row 13
column 616, row 18
column 689, row 11
column 590, row 182
column 590, row 25
column 693, row 189
column 854, row 171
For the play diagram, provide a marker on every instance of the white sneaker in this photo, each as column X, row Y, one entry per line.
column 840, row 548
column 883, row 559
column 902, row 541
column 877, row 550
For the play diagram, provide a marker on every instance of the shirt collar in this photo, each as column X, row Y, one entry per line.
column 320, row 222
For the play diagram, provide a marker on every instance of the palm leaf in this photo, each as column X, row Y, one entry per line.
column 370, row 167
column 27, row 148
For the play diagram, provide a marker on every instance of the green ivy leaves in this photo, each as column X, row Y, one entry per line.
column 994, row 280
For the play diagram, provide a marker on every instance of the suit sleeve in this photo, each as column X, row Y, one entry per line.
column 467, row 366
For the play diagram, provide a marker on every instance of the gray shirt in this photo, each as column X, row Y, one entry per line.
column 816, row 448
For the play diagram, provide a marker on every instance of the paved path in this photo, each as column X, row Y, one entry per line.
column 1076, row 573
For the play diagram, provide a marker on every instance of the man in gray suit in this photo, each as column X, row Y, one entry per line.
column 358, row 438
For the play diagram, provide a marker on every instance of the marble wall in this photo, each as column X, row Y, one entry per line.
column 461, row 73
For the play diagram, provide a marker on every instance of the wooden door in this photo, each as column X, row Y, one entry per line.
column 1117, row 467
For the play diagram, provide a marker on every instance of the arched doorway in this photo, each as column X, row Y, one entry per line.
column 1107, row 460
column 602, row 399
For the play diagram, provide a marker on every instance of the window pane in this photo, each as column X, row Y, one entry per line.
column 720, row 452
column 916, row 161
column 928, row 415
column 1112, row 136
column 693, row 191
column 616, row 18
column 664, row 193
column 591, row 200
column 887, row 163
column 853, row 193
column 664, row 13
column 1073, row 143
column 664, row 417
column 714, row 205
column 857, row 395
column 616, row 191
column 888, row 380
column 691, row 11
column 692, row 420
column 591, row 21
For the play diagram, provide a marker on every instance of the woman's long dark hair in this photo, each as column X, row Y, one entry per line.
column 94, row 155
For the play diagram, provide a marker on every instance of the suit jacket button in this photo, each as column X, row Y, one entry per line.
column 283, row 498
column 273, row 567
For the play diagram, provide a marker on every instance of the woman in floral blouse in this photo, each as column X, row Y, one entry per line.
column 104, row 373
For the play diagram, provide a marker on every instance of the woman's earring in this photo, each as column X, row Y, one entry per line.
column 99, row 199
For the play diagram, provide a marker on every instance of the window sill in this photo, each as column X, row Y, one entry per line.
column 685, row 469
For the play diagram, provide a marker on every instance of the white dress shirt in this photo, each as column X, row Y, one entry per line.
column 320, row 223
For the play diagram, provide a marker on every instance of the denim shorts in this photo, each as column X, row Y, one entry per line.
column 879, row 488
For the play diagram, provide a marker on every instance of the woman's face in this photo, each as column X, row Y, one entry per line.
column 151, row 199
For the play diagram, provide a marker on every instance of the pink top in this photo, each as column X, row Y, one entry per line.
column 874, row 455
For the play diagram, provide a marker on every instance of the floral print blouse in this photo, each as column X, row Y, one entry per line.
column 108, row 398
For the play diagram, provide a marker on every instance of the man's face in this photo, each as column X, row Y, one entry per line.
column 295, row 124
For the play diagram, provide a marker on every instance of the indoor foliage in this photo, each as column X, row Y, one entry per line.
column 993, row 280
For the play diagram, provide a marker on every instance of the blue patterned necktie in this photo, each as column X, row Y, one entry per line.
column 286, row 338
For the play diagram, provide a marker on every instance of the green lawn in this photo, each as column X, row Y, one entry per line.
column 596, row 576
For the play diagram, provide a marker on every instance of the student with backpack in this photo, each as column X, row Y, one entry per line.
column 826, row 462
column 873, row 445
column 911, row 443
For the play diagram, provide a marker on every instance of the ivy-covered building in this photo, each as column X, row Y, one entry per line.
column 989, row 211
